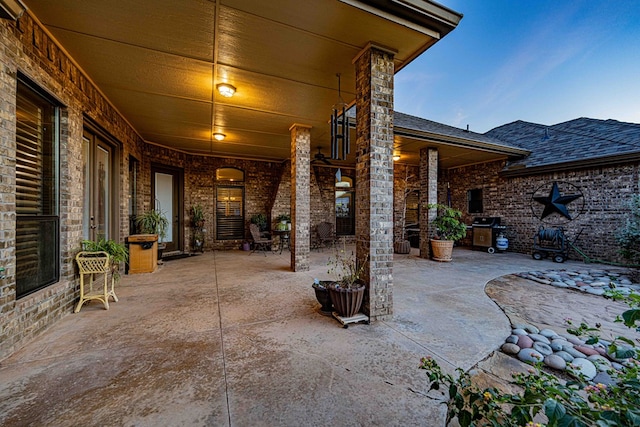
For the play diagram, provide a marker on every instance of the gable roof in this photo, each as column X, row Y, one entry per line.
column 576, row 143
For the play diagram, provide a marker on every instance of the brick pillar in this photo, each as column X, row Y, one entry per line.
column 300, row 200
column 428, row 194
column 374, row 177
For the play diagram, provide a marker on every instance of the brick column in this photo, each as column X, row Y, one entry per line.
column 428, row 194
column 374, row 177
column 300, row 200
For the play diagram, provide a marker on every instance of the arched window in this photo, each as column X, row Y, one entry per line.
column 229, row 204
column 345, row 206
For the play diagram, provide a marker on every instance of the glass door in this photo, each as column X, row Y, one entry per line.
column 167, row 191
column 98, row 214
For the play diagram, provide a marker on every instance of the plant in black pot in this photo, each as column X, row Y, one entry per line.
column 347, row 290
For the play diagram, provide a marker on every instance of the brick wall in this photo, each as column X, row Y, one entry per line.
column 606, row 191
column 25, row 48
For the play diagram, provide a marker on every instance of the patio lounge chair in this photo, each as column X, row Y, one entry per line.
column 259, row 243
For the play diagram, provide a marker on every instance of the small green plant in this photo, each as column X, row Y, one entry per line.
column 260, row 220
column 197, row 216
column 285, row 217
column 628, row 236
column 153, row 222
column 448, row 222
column 118, row 252
column 574, row 403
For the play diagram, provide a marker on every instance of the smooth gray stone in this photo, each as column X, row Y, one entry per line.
column 529, row 355
column 572, row 351
column 542, row 348
column 512, row 339
column 549, row 333
column 510, row 348
column 540, row 338
column 573, row 339
column 518, row 331
column 570, row 282
column 595, row 291
column 599, row 284
column 565, row 356
column 531, row 329
column 601, row 362
column 556, row 362
column 559, row 284
column 604, row 378
column 582, row 367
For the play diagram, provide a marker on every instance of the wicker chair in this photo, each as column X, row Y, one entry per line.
column 94, row 274
column 259, row 243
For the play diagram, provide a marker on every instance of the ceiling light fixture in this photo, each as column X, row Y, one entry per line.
column 396, row 157
column 227, row 90
column 219, row 136
column 340, row 146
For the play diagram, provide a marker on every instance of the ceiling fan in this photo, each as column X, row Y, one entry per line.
column 320, row 157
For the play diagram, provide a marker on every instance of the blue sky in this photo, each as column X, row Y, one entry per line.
column 542, row 61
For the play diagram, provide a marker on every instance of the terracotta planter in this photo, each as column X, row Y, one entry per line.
column 441, row 250
column 322, row 295
column 346, row 301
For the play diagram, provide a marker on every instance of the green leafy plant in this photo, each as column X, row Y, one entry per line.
column 628, row 236
column 573, row 403
column 197, row 216
column 285, row 217
column 153, row 222
column 448, row 222
column 260, row 220
column 118, row 252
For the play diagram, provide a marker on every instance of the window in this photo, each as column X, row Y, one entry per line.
column 37, row 188
column 230, row 204
column 345, row 205
column 474, row 199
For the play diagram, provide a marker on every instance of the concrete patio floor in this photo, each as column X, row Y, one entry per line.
column 232, row 339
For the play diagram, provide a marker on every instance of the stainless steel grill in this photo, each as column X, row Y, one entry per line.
column 485, row 232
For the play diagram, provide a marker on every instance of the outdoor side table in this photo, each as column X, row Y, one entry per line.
column 94, row 275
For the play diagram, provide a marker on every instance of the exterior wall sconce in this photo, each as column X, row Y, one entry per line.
column 340, row 146
column 12, row 9
column 219, row 136
column 227, row 90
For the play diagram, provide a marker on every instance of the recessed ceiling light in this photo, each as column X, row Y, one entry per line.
column 396, row 157
column 219, row 136
column 227, row 90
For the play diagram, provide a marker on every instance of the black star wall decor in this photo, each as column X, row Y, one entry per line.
column 556, row 203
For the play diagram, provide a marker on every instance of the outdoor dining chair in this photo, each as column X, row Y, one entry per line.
column 259, row 243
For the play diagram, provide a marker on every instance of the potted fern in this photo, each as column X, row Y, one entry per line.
column 449, row 228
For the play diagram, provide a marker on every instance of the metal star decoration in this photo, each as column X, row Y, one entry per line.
column 556, row 203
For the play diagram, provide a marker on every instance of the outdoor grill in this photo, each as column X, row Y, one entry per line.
column 485, row 232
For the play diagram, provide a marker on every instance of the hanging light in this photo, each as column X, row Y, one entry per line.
column 339, row 128
column 219, row 136
column 227, row 90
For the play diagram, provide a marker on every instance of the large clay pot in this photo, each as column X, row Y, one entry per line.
column 441, row 250
column 322, row 295
column 346, row 301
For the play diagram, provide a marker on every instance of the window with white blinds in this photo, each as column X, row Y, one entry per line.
column 230, row 213
column 37, row 221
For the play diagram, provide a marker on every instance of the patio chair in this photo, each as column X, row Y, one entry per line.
column 325, row 235
column 259, row 243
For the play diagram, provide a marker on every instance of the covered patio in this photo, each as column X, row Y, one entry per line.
column 197, row 343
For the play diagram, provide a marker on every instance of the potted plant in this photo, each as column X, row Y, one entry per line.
column 260, row 220
column 403, row 245
column 347, row 290
column 197, row 223
column 283, row 220
column 118, row 253
column 321, row 288
column 154, row 222
column 449, row 228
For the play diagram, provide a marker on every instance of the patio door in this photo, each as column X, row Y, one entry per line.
column 167, row 190
column 100, row 191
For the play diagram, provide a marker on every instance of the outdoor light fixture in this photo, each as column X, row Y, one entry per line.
column 12, row 9
column 219, row 136
column 396, row 157
column 226, row 89
column 339, row 128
